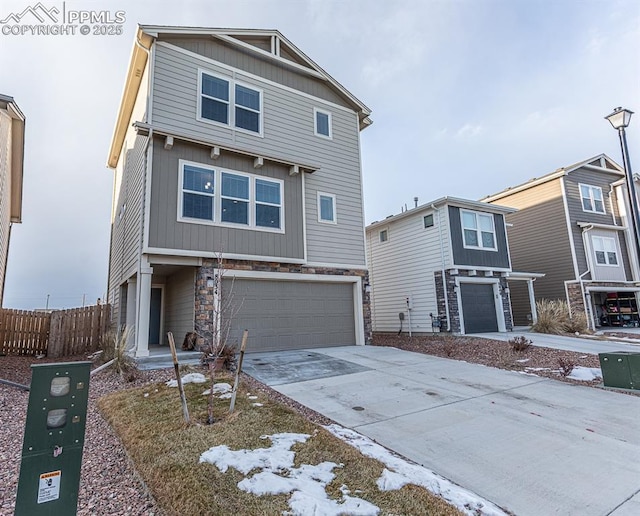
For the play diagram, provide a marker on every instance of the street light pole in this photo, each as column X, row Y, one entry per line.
column 619, row 119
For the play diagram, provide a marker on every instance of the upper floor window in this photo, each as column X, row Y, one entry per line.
column 605, row 250
column 591, row 198
column 327, row 208
column 478, row 230
column 384, row 235
column 427, row 220
column 227, row 102
column 210, row 195
column 322, row 123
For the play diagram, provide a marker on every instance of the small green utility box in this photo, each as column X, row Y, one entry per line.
column 620, row 369
column 53, row 440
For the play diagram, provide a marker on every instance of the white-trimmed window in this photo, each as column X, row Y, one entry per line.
column 605, row 251
column 210, row 195
column 478, row 230
column 427, row 220
column 222, row 100
column 327, row 208
column 592, row 199
column 384, row 235
column 322, row 123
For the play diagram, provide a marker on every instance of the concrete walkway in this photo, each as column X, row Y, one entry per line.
column 531, row 445
column 579, row 344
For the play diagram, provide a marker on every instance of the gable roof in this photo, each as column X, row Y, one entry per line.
column 267, row 43
column 16, row 165
column 601, row 162
column 444, row 201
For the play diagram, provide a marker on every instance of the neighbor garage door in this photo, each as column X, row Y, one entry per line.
column 478, row 307
column 284, row 315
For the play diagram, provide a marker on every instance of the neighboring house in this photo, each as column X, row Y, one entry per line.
column 462, row 241
column 11, row 168
column 571, row 224
column 232, row 143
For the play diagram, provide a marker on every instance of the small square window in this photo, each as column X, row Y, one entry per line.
column 592, row 199
column 326, row 208
column 428, row 220
column 384, row 235
column 322, row 123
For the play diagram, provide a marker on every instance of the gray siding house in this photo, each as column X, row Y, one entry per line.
column 233, row 145
column 442, row 266
column 572, row 225
column 11, row 171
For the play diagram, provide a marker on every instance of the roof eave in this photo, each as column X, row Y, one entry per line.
column 155, row 30
column 137, row 64
column 18, row 121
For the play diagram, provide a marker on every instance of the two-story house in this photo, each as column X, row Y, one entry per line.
column 233, row 145
column 11, row 170
column 443, row 266
column 572, row 225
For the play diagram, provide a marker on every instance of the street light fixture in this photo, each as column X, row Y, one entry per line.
column 620, row 119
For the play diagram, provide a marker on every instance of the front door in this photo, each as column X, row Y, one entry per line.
column 155, row 316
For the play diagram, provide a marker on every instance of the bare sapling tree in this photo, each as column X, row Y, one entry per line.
column 216, row 337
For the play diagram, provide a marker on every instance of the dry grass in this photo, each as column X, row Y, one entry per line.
column 166, row 453
column 554, row 318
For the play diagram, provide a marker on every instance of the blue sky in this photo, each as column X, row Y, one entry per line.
column 468, row 97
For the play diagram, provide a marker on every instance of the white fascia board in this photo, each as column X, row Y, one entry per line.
column 213, row 254
column 159, row 130
column 519, row 275
column 445, row 201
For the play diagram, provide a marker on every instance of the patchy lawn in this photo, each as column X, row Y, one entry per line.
column 167, row 454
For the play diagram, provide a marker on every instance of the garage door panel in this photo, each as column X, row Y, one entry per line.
column 478, row 307
column 284, row 315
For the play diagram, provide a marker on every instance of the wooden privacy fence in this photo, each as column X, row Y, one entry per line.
column 57, row 334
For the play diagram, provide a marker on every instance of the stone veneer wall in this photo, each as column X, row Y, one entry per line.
column 452, row 298
column 204, row 295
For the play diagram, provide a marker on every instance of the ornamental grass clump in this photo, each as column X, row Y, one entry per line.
column 554, row 317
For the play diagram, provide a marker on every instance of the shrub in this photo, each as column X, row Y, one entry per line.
column 115, row 348
column 566, row 366
column 552, row 313
column 577, row 323
column 520, row 343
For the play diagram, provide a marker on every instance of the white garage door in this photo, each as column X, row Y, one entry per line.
column 283, row 315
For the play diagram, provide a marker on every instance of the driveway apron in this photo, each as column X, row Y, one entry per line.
column 531, row 445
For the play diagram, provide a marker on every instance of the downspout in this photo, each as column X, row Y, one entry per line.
column 444, row 279
column 587, row 252
column 613, row 214
column 6, row 261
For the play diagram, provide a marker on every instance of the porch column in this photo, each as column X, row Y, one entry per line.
column 144, row 309
column 130, row 317
column 532, row 302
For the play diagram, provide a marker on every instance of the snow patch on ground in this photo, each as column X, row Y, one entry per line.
column 399, row 472
column 188, row 378
column 278, row 476
column 585, row 374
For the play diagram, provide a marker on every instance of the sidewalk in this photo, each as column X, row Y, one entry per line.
column 581, row 344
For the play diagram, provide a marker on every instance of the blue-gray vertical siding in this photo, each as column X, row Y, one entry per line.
column 288, row 134
column 577, row 214
column 478, row 257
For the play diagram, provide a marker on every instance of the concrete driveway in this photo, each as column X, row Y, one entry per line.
column 531, row 445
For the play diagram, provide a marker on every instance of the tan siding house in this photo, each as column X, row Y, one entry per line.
column 571, row 225
column 232, row 145
column 12, row 123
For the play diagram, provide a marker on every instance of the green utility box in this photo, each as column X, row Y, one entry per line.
column 621, row 369
column 53, row 439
